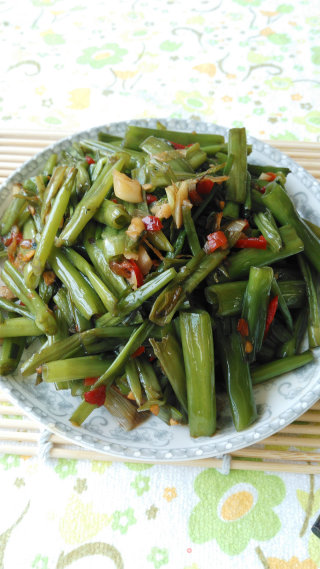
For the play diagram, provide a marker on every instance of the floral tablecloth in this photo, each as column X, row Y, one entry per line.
column 69, row 65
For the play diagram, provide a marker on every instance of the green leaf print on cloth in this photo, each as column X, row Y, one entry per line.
column 107, row 54
column 9, row 461
column 123, row 520
column 40, row 562
column 236, row 508
column 66, row 467
column 248, row 2
column 141, row 484
column 158, row 557
column 315, row 55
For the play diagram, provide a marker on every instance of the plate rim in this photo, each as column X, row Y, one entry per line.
column 193, row 453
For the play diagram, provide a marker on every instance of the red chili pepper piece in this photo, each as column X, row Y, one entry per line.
column 262, row 190
column 243, row 327
column 252, row 243
column 151, row 198
column 152, row 223
column 138, row 352
column 90, row 380
column 130, row 270
column 15, row 235
column 195, row 198
column 215, row 240
column 96, row 396
column 271, row 312
column 272, row 176
column 178, row 146
column 90, row 160
column 7, row 241
column 114, row 200
column 204, row 186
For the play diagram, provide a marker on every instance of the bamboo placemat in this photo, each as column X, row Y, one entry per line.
column 16, row 147
column 294, row 449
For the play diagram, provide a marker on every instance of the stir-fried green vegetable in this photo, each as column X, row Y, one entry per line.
column 152, row 267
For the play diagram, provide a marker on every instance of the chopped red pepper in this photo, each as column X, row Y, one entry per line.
column 271, row 312
column 268, row 176
column 178, row 146
column 204, row 186
column 130, row 270
column 90, row 160
column 262, row 190
column 151, row 198
column 18, row 236
column 138, row 352
column 252, row 243
column 114, row 200
column 152, row 223
column 215, row 240
column 195, row 198
column 243, row 327
column 96, row 396
column 15, row 235
column 12, row 242
column 90, row 380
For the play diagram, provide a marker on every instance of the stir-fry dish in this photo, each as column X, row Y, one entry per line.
column 152, row 271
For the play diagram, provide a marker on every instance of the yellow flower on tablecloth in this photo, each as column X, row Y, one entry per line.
column 169, row 494
column 80, row 522
column 208, row 68
column 226, row 99
column 293, row 563
column 79, row 98
column 40, row 90
column 296, row 97
column 266, row 32
column 125, row 74
column 268, row 14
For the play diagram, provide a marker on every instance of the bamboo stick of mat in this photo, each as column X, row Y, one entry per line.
column 235, row 464
column 279, row 453
column 16, row 147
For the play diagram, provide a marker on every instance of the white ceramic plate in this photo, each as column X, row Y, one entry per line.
column 279, row 402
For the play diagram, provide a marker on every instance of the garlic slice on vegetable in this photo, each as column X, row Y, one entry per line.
column 162, row 211
column 135, row 228
column 126, row 188
column 144, row 260
column 181, row 196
